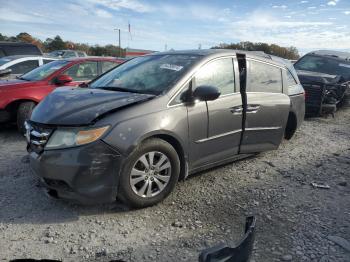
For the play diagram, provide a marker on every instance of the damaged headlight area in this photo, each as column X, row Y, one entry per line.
column 69, row 137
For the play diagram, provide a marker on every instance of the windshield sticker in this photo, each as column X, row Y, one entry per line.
column 171, row 67
column 344, row 65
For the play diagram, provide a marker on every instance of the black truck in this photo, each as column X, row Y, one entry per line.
column 325, row 77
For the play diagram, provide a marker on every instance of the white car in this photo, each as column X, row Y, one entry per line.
column 21, row 64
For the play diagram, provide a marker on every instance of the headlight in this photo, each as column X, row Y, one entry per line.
column 63, row 138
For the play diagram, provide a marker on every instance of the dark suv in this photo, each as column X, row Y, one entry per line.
column 325, row 76
column 138, row 129
column 18, row 48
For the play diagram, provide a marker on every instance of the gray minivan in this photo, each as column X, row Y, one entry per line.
column 139, row 128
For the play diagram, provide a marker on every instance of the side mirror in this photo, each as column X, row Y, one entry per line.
column 84, row 85
column 5, row 72
column 63, row 79
column 206, row 93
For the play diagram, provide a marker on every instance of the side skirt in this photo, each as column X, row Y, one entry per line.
column 219, row 163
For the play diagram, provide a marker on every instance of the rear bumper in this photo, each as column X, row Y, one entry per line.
column 88, row 174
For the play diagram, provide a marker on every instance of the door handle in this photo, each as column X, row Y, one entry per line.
column 253, row 108
column 236, row 110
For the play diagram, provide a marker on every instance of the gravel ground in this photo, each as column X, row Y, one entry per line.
column 295, row 221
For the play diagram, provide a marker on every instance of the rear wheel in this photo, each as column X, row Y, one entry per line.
column 24, row 112
column 150, row 174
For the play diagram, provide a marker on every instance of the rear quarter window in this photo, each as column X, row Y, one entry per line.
column 24, row 67
column 264, row 78
column 290, row 79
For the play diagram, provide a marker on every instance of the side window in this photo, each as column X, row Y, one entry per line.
column 264, row 78
column 107, row 65
column 82, row 71
column 177, row 99
column 290, row 79
column 68, row 54
column 219, row 74
column 47, row 61
column 2, row 53
column 24, row 67
column 81, row 54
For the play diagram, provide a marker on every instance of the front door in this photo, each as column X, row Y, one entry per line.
column 215, row 126
column 267, row 108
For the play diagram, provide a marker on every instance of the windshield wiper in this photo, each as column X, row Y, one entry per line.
column 122, row 89
column 22, row 78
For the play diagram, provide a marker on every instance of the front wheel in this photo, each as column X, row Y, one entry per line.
column 24, row 112
column 150, row 174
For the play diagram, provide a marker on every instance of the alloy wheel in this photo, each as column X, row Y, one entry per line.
column 150, row 174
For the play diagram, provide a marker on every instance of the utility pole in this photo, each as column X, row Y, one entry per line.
column 120, row 50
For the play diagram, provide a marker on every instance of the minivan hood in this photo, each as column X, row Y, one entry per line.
column 68, row 106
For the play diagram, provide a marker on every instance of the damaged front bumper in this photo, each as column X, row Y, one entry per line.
column 240, row 253
column 88, row 174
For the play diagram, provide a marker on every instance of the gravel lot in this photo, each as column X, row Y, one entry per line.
column 295, row 221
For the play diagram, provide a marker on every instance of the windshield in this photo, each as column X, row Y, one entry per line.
column 324, row 65
column 44, row 71
column 148, row 74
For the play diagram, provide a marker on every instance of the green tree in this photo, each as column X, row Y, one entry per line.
column 3, row 38
column 273, row 49
column 54, row 44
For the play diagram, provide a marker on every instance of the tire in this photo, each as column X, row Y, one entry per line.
column 24, row 112
column 158, row 150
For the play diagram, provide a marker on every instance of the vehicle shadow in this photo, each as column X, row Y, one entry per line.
column 24, row 201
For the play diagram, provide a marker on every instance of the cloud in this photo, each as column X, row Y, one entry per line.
column 280, row 6
column 333, row 2
column 181, row 26
column 22, row 17
column 103, row 13
column 260, row 19
column 133, row 5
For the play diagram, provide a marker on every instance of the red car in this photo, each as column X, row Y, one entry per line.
column 19, row 97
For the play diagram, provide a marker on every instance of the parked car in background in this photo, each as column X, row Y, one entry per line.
column 19, row 97
column 325, row 76
column 67, row 54
column 138, row 129
column 18, row 48
column 21, row 64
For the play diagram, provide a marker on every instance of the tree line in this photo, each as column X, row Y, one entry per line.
column 56, row 43
column 271, row 49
